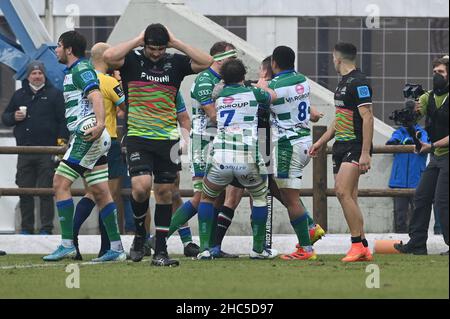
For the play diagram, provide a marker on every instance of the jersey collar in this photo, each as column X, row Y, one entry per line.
column 284, row 72
column 67, row 69
column 350, row 73
column 217, row 75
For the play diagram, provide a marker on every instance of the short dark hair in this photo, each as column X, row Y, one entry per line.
column 233, row 71
column 266, row 65
column 220, row 47
column 347, row 50
column 441, row 61
column 284, row 57
column 156, row 34
column 74, row 40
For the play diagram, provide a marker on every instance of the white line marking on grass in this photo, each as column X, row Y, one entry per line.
column 86, row 263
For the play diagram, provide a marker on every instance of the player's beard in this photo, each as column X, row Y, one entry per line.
column 62, row 59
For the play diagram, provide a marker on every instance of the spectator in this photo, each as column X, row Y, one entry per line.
column 37, row 112
column 406, row 171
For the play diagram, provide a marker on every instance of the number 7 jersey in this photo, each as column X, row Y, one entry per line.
column 290, row 112
column 237, row 116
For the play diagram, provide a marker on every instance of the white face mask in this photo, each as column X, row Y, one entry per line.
column 37, row 88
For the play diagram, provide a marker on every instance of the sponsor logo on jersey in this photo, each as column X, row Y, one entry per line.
column 84, row 106
column 228, row 100
column 167, row 66
column 233, row 105
column 119, row 91
column 87, row 76
column 135, row 156
column 161, row 79
column 235, row 167
column 363, row 91
column 296, row 98
column 204, row 92
column 300, row 89
column 68, row 79
column 339, row 103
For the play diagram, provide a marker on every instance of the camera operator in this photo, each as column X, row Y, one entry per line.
column 433, row 184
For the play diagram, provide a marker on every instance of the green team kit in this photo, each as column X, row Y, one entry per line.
column 203, row 129
column 290, row 114
column 235, row 146
column 80, row 159
column 80, row 79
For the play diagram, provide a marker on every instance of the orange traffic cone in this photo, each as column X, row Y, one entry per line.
column 385, row 247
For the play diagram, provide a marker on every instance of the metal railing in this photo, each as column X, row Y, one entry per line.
column 319, row 192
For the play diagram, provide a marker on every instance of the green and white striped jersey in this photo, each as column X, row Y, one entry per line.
column 80, row 79
column 237, row 117
column 201, row 94
column 290, row 112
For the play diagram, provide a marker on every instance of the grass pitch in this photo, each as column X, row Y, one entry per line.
column 401, row 276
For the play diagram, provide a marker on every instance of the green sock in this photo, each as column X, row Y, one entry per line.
column 109, row 218
column 311, row 222
column 65, row 212
column 181, row 217
column 300, row 225
column 259, row 220
column 205, row 224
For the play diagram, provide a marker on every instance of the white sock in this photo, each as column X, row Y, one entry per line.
column 67, row 243
column 308, row 248
column 116, row 245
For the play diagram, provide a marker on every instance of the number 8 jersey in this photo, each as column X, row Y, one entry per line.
column 291, row 110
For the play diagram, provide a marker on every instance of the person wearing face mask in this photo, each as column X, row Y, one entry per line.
column 433, row 185
column 37, row 113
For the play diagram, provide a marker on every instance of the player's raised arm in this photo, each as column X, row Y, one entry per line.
column 200, row 60
column 115, row 56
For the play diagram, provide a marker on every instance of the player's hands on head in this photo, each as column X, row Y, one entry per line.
column 173, row 41
column 141, row 39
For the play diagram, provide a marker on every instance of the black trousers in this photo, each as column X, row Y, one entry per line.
column 36, row 170
column 403, row 208
column 433, row 185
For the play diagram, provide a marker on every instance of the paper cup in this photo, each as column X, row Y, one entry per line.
column 23, row 109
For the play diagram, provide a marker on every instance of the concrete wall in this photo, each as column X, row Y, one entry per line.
column 266, row 33
column 388, row 8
